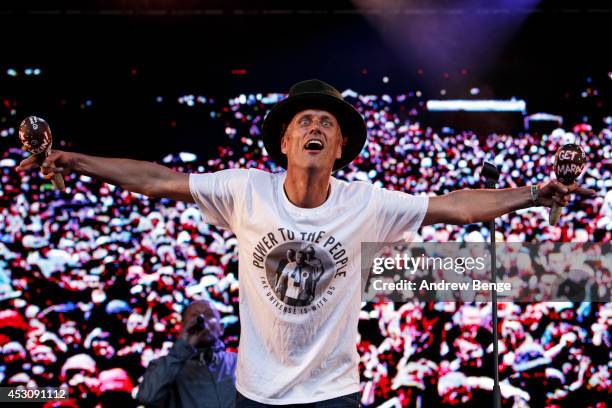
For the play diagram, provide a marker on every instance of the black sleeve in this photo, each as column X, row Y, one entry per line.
column 161, row 374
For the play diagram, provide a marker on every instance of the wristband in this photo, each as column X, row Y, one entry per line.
column 535, row 192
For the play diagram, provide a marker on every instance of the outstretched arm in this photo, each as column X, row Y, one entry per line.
column 470, row 206
column 150, row 179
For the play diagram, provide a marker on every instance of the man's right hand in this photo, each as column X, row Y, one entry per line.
column 142, row 177
column 58, row 162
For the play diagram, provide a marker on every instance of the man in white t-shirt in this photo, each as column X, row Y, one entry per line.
column 290, row 354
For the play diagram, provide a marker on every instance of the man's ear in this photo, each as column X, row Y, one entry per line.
column 342, row 144
column 283, row 132
column 283, row 145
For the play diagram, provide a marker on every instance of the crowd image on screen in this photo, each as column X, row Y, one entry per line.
column 93, row 279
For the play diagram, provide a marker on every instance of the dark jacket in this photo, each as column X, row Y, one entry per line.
column 189, row 377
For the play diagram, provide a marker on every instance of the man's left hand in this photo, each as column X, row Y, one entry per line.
column 555, row 192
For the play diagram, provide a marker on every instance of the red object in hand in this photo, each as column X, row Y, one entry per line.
column 570, row 161
column 35, row 135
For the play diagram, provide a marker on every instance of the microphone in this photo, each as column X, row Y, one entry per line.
column 35, row 136
column 570, row 161
column 200, row 321
column 491, row 174
column 200, row 324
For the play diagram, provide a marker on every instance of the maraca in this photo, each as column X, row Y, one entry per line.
column 35, row 135
column 570, row 161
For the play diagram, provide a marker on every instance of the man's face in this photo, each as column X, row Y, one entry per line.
column 212, row 324
column 312, row 140
column 300, row 257
column 291, row 255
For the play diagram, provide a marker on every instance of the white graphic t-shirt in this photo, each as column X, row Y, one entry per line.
column 300, row 277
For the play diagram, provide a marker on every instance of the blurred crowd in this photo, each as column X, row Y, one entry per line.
column 93, row 279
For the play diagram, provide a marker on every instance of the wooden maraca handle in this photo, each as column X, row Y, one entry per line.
column 555, row 213
column 57, row 180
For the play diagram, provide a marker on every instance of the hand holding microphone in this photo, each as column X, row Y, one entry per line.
column 195, row 331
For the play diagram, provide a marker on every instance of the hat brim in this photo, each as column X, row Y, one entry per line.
column 351, row 123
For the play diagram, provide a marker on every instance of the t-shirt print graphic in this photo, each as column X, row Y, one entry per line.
column 299, row 272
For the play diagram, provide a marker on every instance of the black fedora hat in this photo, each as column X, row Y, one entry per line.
column 315, row 94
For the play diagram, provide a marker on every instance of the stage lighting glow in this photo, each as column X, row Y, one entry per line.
column 582, row 127
column 272, row 98
column 349, row 93
column 545, row 117
column 484, row 105
column 187, row 157
column 7, row 132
